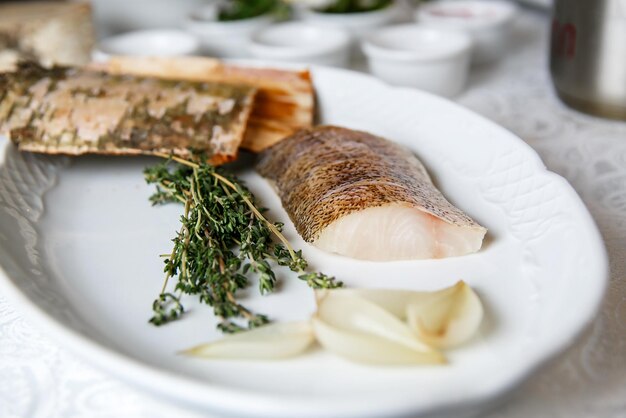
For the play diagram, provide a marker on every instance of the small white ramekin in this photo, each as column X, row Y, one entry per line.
column 302, row 43
column 488, row 22
column 149, row 42
column 428, row 59
column 227, row 39
column 358, row 25
column 116, row 16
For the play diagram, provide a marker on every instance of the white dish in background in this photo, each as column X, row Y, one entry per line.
column 227, row 39
column 116, row 16
column 429, row 59
column 80, row 245
column 151, row 42
column 302, row 43
column 357, row 24
column 488, row 22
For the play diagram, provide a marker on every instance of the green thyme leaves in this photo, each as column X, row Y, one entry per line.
column 224, row 241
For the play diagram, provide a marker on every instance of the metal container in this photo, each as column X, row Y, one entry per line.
column 588, row 55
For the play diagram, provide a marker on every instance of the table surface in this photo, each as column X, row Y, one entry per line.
column 40, row 379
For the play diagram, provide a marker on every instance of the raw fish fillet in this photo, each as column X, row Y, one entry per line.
column 359, row 195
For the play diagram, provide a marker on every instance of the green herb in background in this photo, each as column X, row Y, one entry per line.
column 224, row 239
column 245, row 9
column 355, row 6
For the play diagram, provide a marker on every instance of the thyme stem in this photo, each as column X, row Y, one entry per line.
column 224, row 239
column 227, row 182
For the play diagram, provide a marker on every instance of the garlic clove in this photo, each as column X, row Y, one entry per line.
column 395, row 301
column 370, row 348
column 354, row 314
column 392, row 300
column 273, row 341
column 448, row 318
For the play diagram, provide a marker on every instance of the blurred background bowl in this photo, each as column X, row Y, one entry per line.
column 302, row 43
column 116, row 16
column 429, row 59
column 488, row 22
column 357, row 24
column 150, row 42
column 227, row 39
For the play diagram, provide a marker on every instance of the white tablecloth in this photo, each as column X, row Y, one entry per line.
column 40, row 379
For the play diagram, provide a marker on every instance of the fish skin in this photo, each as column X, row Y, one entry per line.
column 285, row 101
column 71, row 111
column 325, row 173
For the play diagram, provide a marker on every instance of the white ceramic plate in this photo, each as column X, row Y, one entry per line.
column 79, row 247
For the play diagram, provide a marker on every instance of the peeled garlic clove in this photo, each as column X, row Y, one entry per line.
column 396, row 301
column 354, row 314
column 273, row 341
column 369, row 348
column 391, row 300
column 447, row 319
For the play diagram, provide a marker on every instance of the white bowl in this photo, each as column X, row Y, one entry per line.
column 152, row 42
column 302, row 43
column 115, row 16
column 429, row 59
column 488, row 22
column 228, row 39
column 357, row 24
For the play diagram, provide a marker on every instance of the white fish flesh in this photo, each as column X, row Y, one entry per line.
column 362, row 196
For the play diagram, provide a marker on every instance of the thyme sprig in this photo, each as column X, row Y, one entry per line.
column 224, row 240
